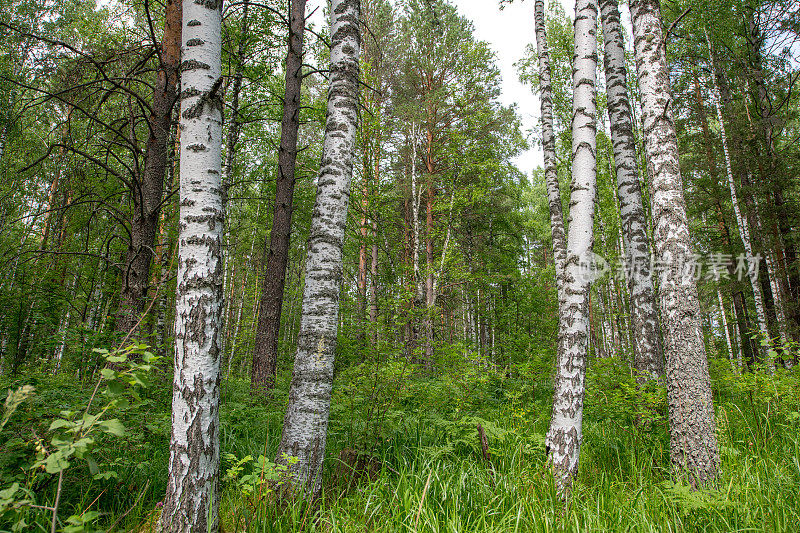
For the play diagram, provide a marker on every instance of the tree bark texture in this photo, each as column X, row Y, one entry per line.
column 265, row 351
column 305, row 424
column 648, row 357
column 693, row 442
column 549, row 148
column 192, row 499
column 148, row 190
column 565, row 433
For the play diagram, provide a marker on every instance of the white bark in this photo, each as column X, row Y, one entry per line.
column 192, row 499
column 647, row 353
column 416, row 199
column 306, row 422
column 744, row 230
column 565, row 434
column 693, row 443
column 737, row 338
column 3, row 137
column 549, row 149
column 725, row 325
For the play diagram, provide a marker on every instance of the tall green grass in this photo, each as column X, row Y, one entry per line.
column 433, row 477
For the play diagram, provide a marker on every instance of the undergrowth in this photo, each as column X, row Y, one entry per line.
column 413, row 443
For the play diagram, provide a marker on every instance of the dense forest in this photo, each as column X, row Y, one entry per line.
column 276, row 266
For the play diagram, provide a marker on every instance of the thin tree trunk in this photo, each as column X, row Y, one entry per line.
column 550, row 165
column 148, row 191
column 737, row 337
column 565, row 433
column 265, row 352
column 62, row 330
column 647, row 353
column 777, row 294
column 693, row 443
column 308, row 408
column 725, row 325
column 192, row 498
column 744, row 229
column 373, row 289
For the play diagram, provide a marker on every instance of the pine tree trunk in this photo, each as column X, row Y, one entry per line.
column 148, row 190
column 777, row 293
column 744, row 230
column 308, row 407
column 693, row 443
column 265, row 352
column 192, row 499
column 565, row 433
column 647, row 353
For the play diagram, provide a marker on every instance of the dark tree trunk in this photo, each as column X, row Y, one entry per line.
column 265, row 353
column 148, row 191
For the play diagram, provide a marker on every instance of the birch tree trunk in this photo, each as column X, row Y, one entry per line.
column 551, row 174
column 725, row 325
column 373, row 288
column 744, row 229
column 3, row 137
column 693, row 442
column 549, row 148
column 265, row 351
column 308, row 407
column 648, row 357
column 192, row 499
column 565, row 433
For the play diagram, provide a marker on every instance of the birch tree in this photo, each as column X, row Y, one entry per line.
column 549, row 149
column 647, row 354
column 565, row 433
column 693, row 442
column 308, row 408
column 744, row 230
column 192, row 499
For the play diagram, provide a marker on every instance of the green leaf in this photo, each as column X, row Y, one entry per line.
column 108, row 374
column 113, row 426
column 94, row 469
column 56, row 462
column 59, row 423
column 8, row 494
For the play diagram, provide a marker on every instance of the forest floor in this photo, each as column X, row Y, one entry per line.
column 404, row 455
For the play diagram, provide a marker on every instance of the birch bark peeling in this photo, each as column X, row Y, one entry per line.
column 192, row 499
column 565, row 433
column 305, row 425
column 648, row 357
column 693, row 442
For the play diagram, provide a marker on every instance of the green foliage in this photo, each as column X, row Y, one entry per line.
column 75, row 434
